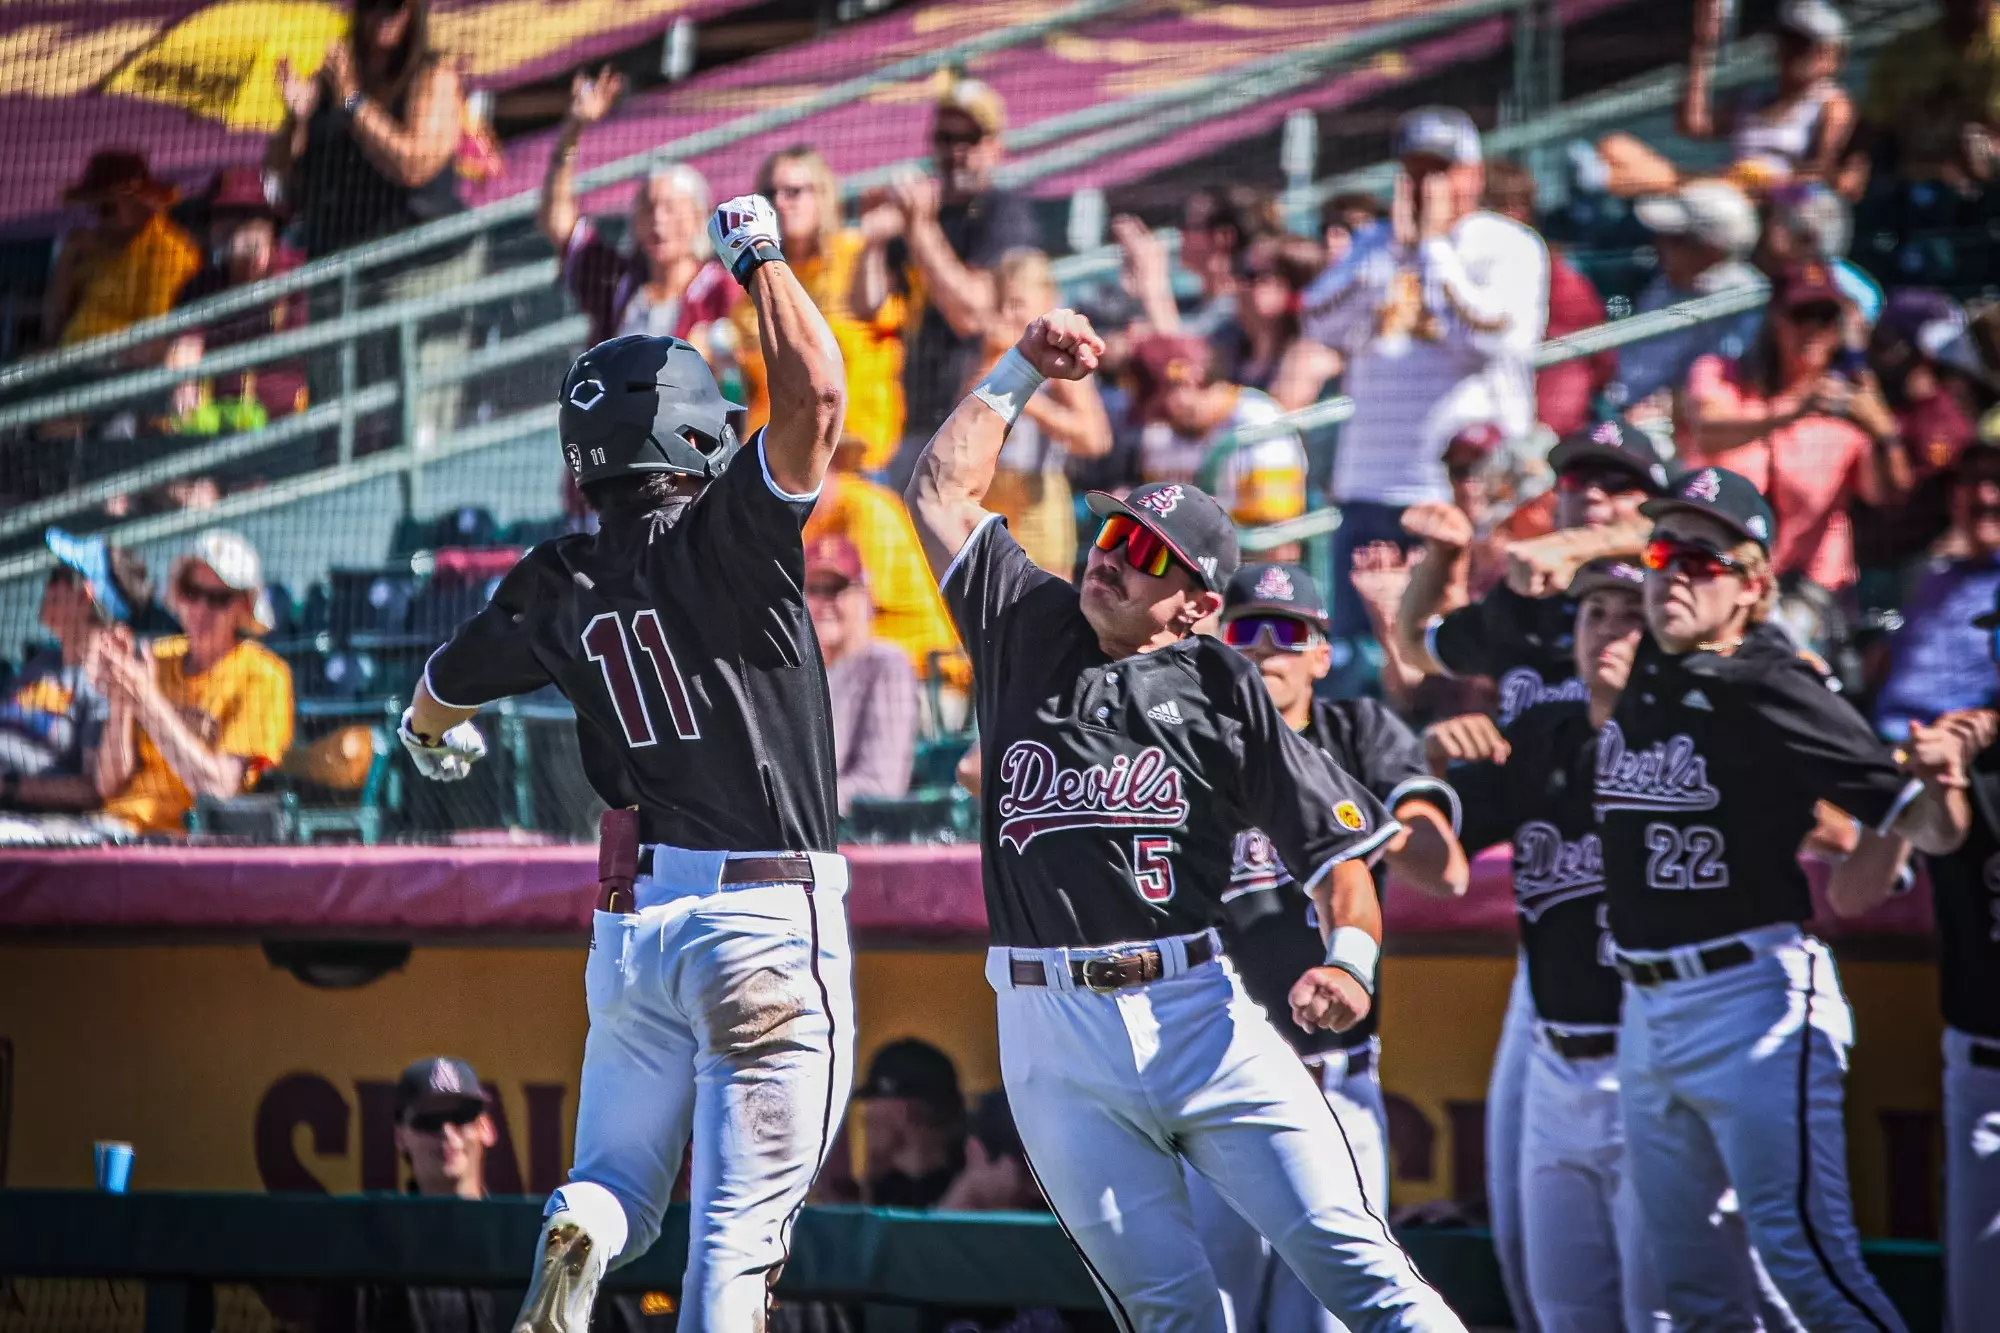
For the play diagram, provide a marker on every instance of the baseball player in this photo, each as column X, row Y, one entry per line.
column 718, row 986
column 1274, row 615
column 1735, row 1033
column 1122, row 754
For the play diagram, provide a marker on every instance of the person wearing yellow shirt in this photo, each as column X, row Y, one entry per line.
column 1932, row 106
column 127, row 267
column 204, row 713
column 908, row 611
column 829, row 259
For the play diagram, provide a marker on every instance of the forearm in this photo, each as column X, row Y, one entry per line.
column 1427, row 855
column 1937, row 821
column 1695, row 119
column 117, row 753
column 1400, row 675
column 282, row 149
column 205, row 772
column 1713, row 432
column 964, row 296
column 868, row 289
column 555, row 217
column 409, row 155
column 430, row 719
column 1345, row 897
column 1436, row 587
column 1865, row 878
column 947, row 490
column 804, row 377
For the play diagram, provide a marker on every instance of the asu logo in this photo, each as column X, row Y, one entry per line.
column 1706, row 485
column 1162, row 501
column 1607, row 432
column 1274, row 585
column 1348, row 815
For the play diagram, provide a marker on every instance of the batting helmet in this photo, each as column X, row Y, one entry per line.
column 637, row 404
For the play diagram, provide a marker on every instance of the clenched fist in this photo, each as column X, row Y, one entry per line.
column 744, row 231
column 1061, row 345
column 1327, row 997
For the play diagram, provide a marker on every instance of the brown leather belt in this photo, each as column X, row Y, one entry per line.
column 778, row 868
column 1114, row 973
column 1581, row 1045
column 1654, row 972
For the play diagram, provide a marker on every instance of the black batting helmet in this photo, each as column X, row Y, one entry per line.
column 637, row 404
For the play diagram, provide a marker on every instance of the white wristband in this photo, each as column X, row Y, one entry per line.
column 1351, row 950
column 1009, row 385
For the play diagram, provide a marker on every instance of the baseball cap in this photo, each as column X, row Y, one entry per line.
column 1194, row 527
column 232, row 559
column 1162, row 360
column 1814, row 20
column 1723, row 495
column 1616, row 441
column 1607, row 572
column 440, row 1084
column 1713, row 212
column 1438, row 131
column 913, row 1068
column 977, row 100
column 1285, row 590
column 1810, row 283
column 833, row 556
column 91, row 558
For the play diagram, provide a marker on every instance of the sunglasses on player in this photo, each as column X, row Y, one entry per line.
column 1691, row 559
column 1145, row 550
column 433, row 1122
column 1286, row 633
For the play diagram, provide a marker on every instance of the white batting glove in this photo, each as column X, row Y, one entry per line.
column 744, row 231
column 451, row 758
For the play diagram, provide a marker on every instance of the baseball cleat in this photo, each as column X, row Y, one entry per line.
column 565, row 1284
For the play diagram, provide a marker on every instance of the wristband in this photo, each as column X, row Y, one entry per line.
column 1009, row 385
column 755, row 257
column 1351, row 950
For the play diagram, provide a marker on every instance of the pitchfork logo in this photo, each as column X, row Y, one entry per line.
column 1707, row 485
column 1608, row 433
column 1162, row 501
column 1038, row 795
column 1274, row 585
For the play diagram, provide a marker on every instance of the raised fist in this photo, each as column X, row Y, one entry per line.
column 744, row 231
column 1061, row 345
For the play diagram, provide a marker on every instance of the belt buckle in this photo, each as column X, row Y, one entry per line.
column 1102, row 967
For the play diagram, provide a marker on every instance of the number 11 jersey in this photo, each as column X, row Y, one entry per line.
column 689, row 656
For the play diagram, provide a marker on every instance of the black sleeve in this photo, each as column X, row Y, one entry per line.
column 1827, row 747
column 743, row 533
column 1388, row 758
column 1488, row 819
column 1471, row 640
column 989, row 575
column 1010, row 225
column 492, row 656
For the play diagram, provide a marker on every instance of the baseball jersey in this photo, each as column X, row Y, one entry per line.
column 1541, row 801
column 690, row 659
column 1965, row 900
column 1706, row 778
column 1113, row 788
column 1269, row 924
column 1525, row 643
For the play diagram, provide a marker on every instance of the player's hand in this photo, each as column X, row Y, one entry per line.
column 1942, row 753
column 1379, row 572
column 1061, row 345
column 1466, row 739
column 1327, row 997
column 1439, row 524
column 744, row 231
column 591, row 95
column 1542, row 566
column 451, row 758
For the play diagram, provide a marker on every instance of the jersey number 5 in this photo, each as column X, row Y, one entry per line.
column 604, row 642
column 1151, row 869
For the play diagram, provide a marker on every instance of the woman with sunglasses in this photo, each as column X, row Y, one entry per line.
column 1735, row 1033
column 1801, row 418
column 1122, row 754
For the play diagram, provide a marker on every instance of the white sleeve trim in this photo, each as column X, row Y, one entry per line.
column 1418, row 785
column 764, row 466
column 1431, row 647
column 1911, row 790
column 1360, row 849
column 965, row 549
column 431, row 689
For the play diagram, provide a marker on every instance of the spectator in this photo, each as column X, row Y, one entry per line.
column 212, row 709
column 996, row 1178
column 243, row 247
column 1933, row 98
column 130, row 264
column 1704, row 233
column 1939, row 661
column 1064, row 420
column 1294, row 370
column 1344, row 218
column 1439, row 315
column 908, row 610
column 1806, row 221
column 914, row 1118
column 1564, row 393
column 1188, row 410
column 829, row 259
column 873, row 689
column 1800, row 133
column 1218, row 227
column 1812, row 435
column 939, row 238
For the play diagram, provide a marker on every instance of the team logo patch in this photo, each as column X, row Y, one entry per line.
column 587, row 394
column 1607, row 432
column 1163, row 500
column 1758, row 528
column 573, row 454
column 1523, row 688
column 1666, row 775
column 1274, row 585
column 1348, row 815
column 1170, row 711
column 1550, row 869
column 1705, row 485
column 1038, row 795
column 1253, row 865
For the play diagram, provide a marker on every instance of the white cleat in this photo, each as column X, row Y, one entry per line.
column 565, row 1284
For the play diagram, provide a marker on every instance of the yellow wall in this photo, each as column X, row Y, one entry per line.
column 177, row 1048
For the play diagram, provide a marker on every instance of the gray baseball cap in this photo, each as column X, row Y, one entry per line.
column 1715, row 213
column 1438, row 131
column 1814, row 20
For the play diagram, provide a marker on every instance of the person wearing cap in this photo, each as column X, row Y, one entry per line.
column 1274, row 615
column 870, row 683
column 1187, row 410
column 1439, row 315
column 936, row 240
column 1735, row 1036
column 1703, row 233
column 1121, row 754
column 1806, row 427
column 209, row 710
column 913, row 1116
column 126, row 266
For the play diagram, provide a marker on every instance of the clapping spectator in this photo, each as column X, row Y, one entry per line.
column 913, row 1117
column 1933, row 101
column 1704, row 233
column 1189, row 410
column 873, row 689
column 126, row 266
column 1804, row 423
column 1565, row 392
column 204, row 713
column 1275, row 358
column 1065, row 419
column 1439, row 315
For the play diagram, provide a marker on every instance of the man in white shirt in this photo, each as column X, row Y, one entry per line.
column 1439, row 315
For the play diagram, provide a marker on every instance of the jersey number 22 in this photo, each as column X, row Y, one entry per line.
column 605, row 643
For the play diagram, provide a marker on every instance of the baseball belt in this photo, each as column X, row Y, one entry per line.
column 621, row 862
column 1658, row 971
column 1360, row 1059
column 1581, row 1045
column 1109, row 974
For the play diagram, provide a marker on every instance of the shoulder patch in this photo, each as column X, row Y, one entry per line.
column 1348, row 815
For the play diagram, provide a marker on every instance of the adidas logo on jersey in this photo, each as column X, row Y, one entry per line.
column 1170, row 711
column 1696, row 699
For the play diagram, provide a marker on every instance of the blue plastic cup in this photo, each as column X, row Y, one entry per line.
column 114, row 1167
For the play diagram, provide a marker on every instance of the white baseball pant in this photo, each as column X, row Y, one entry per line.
column 728, row 1014
column 1971, row 1182
column 1113, row 1091
column 1733, row 1079
column 1506, row 1085
column 1259, row 1293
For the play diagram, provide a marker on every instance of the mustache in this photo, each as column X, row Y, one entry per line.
column 1109, row 577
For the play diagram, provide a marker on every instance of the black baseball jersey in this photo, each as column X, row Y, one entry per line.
column 1527, row 644
column 1113, row 789
column 1541, row 800
column 1706, row 778
column 1269, row 925
column 1965, row 900
column 691, row 662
